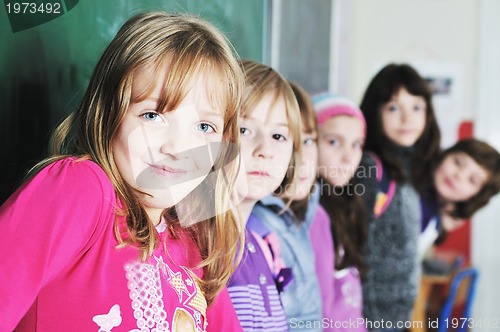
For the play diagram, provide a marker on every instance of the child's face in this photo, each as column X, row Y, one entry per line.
column 266, row 149
column 166, row 155
column 307, row 171
column 459, row 177
column 340, row 147
column 403, row 118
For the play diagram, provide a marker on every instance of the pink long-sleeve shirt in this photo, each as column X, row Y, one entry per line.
column 61, row 270
column 341, row 291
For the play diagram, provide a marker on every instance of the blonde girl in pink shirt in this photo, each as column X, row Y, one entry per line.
column 126, row 226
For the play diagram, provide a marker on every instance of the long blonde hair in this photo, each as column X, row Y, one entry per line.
column 259, row 81
column 187, row 46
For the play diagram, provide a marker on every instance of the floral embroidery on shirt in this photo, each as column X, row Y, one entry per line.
column 147, row 297
column 145, row 285
column 107, row 321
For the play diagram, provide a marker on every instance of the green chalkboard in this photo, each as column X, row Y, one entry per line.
column 46, row 62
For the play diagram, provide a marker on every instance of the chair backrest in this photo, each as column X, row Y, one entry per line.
column 469, row 275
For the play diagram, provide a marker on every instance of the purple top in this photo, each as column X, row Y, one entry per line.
column 341, row 291
column 430, row 208
column 254, row 293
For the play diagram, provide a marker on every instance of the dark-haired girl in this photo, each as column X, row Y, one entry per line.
column 403, row 135
column 463, row 180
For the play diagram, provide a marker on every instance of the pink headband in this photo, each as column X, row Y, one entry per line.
column 328, row 105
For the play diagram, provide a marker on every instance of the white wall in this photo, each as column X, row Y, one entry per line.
column 441, row 32
column 460, row 38
column 486, row 226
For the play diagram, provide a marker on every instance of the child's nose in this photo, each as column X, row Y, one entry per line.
column 177, row 143
column 347, row 155
column 459, row 175
column 263, row 147
column 404, row 116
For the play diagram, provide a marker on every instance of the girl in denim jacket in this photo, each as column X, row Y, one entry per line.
column 292, row 222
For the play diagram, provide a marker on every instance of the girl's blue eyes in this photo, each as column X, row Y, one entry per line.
column 309, row 141
column 334, row 142
column 358, row 145
column 155, row 117
column 206, row 128
column 279, row 137
column 151, row 116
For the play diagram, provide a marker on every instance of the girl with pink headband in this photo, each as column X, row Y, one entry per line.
column 328, row 105
column 338, row 240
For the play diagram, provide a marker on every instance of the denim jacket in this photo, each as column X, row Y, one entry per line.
column 302, row 298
